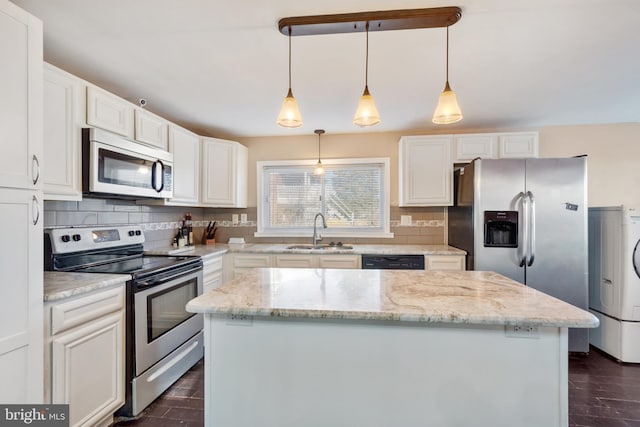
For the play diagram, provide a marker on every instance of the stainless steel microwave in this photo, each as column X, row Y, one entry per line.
column 113, row 166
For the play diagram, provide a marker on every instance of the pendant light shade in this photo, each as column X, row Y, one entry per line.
column 319, row 170
column 289, row 116
column 448, row 110
column 366, row 113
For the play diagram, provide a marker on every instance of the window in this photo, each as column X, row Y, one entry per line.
column 353, row 195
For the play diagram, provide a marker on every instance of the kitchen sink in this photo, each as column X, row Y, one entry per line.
column 320, row 247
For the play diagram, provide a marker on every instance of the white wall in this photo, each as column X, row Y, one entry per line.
column 613, row 165
column 613, row 155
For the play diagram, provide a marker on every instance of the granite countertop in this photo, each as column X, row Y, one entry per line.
column 60, row 285
column 471, row 297
column 281, row 248
column 196, row 250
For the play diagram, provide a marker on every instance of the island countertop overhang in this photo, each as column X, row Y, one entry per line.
column 461, row 297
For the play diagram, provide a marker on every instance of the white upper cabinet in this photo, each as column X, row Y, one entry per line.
column 21, row 298
column 20, row 98
column 151, row 129
column 63, row 119
column 224, row 173
column 469, row 146
column 425, row 171
column 185, row 147
column 107, row 111
column 495, row 145
column 518, row 144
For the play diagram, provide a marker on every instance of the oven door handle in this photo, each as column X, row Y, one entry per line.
column 159, row 279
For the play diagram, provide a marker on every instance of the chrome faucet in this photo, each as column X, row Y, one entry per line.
column 316, row 236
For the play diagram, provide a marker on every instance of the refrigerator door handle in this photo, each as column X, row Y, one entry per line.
column 522, row 248
column 532, row 228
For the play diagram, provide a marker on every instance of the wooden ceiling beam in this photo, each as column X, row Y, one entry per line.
column 384, row 20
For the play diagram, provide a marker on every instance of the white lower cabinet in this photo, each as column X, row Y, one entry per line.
column 317, row 261
column 21, row 297
column 338, row 261
column 237, row 264
column 444, row 262
column 294, row 261
column 85, row 353
column 211, row 271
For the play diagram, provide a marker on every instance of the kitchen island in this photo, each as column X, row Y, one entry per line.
column 323, row 347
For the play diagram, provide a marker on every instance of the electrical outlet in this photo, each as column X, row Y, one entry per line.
column 239, row 320
column 243, row 218
column 234, row 219
column 521, row 331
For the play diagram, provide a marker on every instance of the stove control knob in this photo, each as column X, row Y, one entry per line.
column 65, row 238
column 76, row 237
column 132, row 233
column 138, row 232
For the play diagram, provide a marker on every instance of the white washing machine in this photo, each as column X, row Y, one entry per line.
column 614, row 280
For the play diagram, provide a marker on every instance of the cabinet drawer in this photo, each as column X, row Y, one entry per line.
column 455, row 263
column 72, row 313
column 295, row 261
column 339, row 261
column 252, row 261
column 212, row 262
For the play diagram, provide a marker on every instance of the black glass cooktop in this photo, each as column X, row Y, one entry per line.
column 141, row 264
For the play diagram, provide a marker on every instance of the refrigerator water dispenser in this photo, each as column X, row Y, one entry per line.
column 501, row 229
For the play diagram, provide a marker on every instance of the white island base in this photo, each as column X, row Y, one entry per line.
column 294, row 372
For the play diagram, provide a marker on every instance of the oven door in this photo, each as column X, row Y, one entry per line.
column 161, row 322
column 118, row 170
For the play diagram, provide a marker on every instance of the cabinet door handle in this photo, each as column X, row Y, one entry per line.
column 35, row 169
column 35, row 210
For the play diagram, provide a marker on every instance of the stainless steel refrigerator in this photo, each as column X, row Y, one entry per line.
column 527, row 219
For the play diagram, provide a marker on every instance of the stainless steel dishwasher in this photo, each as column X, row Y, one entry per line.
column 393, row 262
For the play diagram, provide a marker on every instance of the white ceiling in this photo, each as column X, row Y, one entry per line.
column 220, row 67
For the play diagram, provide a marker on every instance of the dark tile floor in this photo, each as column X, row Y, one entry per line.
column 182, row 405
column 602, row 393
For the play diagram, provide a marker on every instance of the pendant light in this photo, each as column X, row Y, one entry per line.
column 367, row 113
column 448, row 110
column 319, row 170
column 289, row 116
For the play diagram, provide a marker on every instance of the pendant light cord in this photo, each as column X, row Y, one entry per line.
column 289, row 58
column 319, row 147
column 447, row 62
column 366, row 67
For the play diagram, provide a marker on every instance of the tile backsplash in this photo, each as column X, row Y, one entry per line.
column 160, row 223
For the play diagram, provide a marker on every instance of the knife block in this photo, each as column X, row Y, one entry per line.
column 209, row 241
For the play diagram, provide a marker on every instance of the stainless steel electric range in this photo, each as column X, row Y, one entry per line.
column 163, row 340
